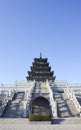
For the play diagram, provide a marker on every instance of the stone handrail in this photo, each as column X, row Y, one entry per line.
column 26, row 102
column 53, row 103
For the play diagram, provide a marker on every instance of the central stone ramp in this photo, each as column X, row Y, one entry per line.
column 65, row 107
column 15, row 108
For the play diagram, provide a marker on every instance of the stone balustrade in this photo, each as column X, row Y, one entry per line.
column 72, row 97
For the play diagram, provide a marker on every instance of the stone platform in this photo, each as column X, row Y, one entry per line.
column 24, row 124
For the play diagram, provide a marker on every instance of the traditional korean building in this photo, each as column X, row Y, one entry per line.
column 40, row 94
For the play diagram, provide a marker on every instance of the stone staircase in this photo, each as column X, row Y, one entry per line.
column 14, row 109
column 65, row 107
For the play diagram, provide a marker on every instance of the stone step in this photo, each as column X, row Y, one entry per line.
column 66, row 121
column 26, row 121
column 22, row 121
column 78, row 96
column 40, row 127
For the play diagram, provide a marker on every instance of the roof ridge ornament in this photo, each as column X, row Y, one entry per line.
column 40, row 55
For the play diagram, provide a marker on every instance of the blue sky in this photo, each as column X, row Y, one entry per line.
column 28, row 27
